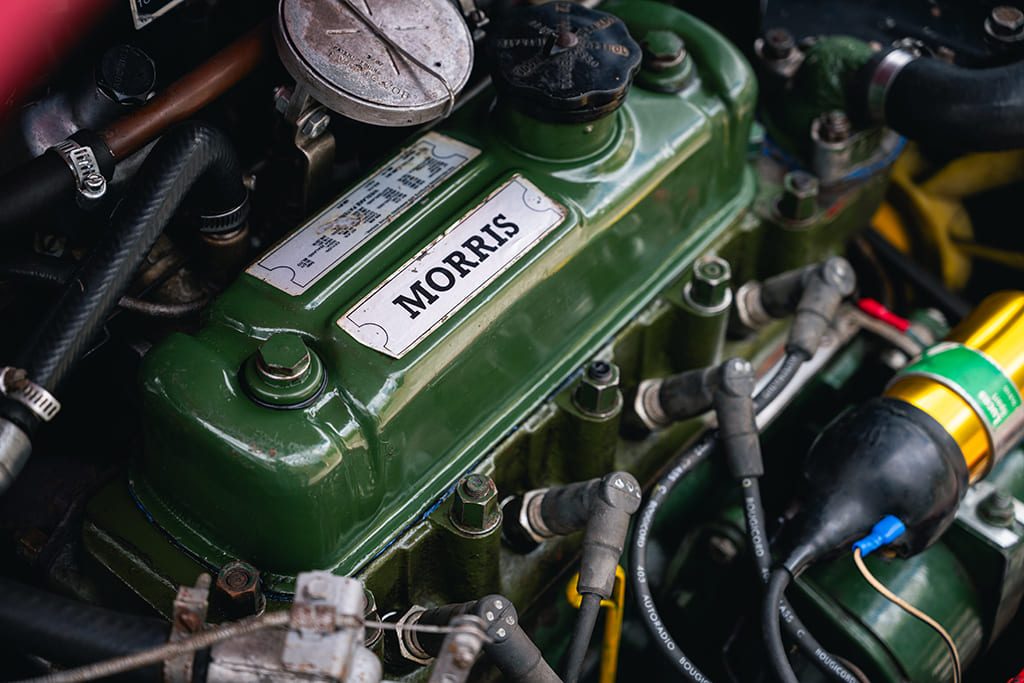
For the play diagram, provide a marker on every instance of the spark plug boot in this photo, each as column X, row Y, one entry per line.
column 811, row 294
column 662, row 401
column 510, row 649
column 737, row 428
column 601, row 507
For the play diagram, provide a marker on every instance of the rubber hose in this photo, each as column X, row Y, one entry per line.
column 29, row 189
column 191, row 154
column 72, row 633
column 958, row 109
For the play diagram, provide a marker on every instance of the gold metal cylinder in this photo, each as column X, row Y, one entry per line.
column 985, row 424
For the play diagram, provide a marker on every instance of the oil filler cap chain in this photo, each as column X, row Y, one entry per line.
column 564, row 63
column 15, row 385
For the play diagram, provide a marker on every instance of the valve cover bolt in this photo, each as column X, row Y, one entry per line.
column 283, row 357
column 475, row 507
column 709, row 287
column 598, row 392
column 799, row 201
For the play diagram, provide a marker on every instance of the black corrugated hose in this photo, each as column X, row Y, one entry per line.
column 71, row 633
column 193, row 154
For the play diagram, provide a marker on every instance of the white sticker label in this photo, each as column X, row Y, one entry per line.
column 146, row 11
column 453, row 268
column 297, row 263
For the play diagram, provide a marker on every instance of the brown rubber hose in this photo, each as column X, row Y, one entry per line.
column 189, row 94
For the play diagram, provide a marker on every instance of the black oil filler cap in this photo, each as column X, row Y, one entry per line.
column 562, row 62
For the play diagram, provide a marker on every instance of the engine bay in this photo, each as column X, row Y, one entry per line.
column 477, row 340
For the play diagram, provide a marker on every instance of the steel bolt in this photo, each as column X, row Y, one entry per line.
column 709, row 285
column 316, row 123
column 598, row 392
column 997, row 509
column 126, row 75
column 238, row 589
column 283, row 357
column 662, row 50
column 475, row 507
column 778, row 44
column 799, row 200
column 1005, row 24
column 282, row 95
column 835, row 126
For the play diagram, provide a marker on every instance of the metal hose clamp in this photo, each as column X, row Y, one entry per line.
column 15, row 385
column 89, row 180
column 885, row 74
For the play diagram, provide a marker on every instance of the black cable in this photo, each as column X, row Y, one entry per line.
column 680, row 467
column 35, row 268
column 590, row 607
column 953, row 306
column 753, row 512
column 687, row 461
column 72, row 633
column 790, row 365
column 741, row 446
column 771, row 626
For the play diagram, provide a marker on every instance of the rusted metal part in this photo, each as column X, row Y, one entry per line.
column 460, row 650
column 239, row 592
column 187, row 619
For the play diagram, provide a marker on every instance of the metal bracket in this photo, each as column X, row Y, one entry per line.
column 15, row 385
column 475, row 17
column 187, row 618
column 459, row 650
column 89, row 180
column 326, row 628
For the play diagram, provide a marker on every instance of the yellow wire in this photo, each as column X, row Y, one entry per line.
column 912, row 611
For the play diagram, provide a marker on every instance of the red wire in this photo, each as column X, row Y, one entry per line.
column 876, row 310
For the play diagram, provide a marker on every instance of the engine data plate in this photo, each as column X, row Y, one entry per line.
column 343, row 61
column 300, row 260
column 452, row 269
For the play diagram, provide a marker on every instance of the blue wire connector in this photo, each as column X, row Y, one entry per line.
column 883, row 533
